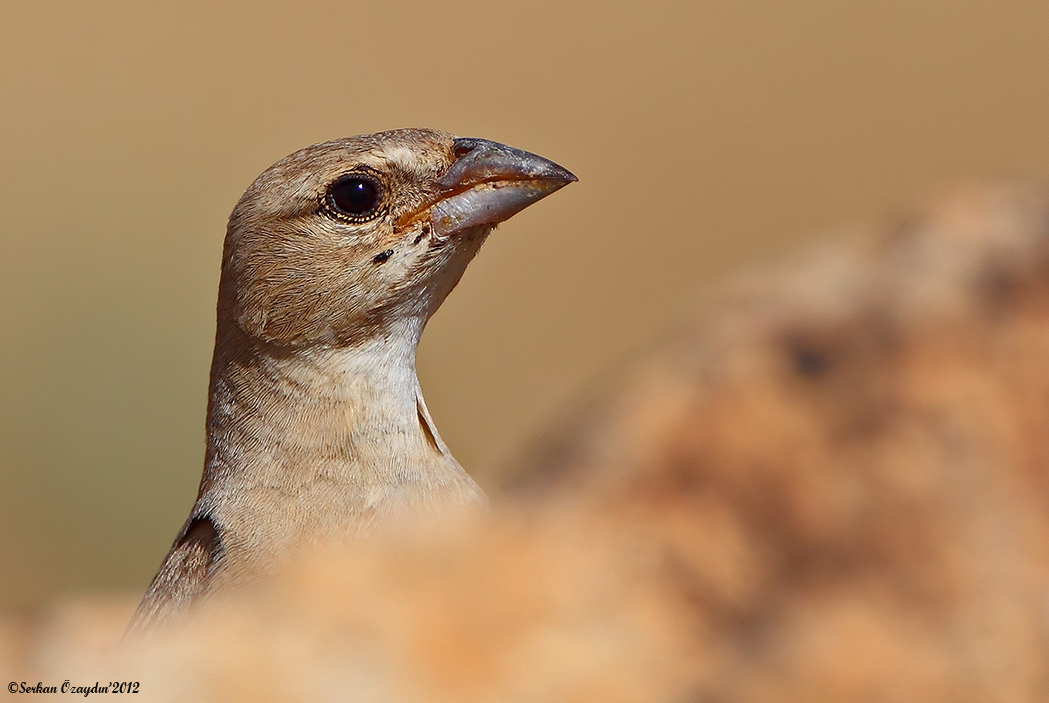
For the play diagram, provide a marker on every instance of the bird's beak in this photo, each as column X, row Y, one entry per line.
column 490, row 182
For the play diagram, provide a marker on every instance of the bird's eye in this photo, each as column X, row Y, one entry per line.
column 354, row 196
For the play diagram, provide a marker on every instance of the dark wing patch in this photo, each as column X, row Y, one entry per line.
column 182, row 577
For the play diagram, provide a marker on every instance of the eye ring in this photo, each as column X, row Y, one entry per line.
column 353, row 197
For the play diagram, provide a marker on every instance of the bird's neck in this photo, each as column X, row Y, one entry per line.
column 314, row 439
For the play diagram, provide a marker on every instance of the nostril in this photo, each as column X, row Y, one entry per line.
column 463, row 146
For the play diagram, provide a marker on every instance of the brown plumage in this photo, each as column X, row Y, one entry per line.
column 334, row 260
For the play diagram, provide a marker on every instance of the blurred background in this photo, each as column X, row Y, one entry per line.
column 705, row 134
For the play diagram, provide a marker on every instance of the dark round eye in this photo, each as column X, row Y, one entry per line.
column 354, row 196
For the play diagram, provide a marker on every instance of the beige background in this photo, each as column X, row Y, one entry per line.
column 705, row 135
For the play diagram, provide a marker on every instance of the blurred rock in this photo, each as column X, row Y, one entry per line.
column 845, row 461
column 828, row 485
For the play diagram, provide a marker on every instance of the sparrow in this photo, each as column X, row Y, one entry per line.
column 334, row 260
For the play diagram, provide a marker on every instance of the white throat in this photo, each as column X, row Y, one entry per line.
column 321, row 441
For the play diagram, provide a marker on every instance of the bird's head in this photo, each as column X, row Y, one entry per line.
column 344, row 240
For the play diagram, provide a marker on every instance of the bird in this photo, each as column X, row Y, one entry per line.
column 334, row 260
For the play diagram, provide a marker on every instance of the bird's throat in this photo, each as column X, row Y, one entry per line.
column 315, row 441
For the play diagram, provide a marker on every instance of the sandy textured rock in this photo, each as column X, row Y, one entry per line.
column 846, row 460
